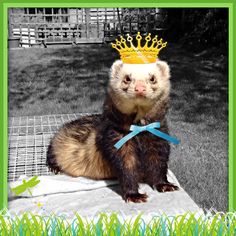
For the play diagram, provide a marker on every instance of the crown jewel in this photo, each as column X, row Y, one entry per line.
column 139, row 54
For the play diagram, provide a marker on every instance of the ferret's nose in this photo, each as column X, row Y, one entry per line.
column 140, row 89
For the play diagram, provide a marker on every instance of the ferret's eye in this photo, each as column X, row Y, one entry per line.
column 153, row 79
column 127, row 79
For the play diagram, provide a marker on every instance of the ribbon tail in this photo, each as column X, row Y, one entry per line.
column 164, row 136
column 121, row 142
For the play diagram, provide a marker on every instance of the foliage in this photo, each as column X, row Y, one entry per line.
column 199, row 27
column 145, row 20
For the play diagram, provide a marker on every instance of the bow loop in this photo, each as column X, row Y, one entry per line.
column 136, row 129
column 145, row 127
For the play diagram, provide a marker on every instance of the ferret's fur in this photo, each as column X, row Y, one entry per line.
column 137, row 94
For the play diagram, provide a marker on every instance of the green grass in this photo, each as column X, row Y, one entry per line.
column 187, row 224
column 74, row 79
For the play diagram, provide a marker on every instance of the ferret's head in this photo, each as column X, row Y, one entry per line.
column 140, row 81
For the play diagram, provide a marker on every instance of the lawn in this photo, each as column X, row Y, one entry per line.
column 73, row 80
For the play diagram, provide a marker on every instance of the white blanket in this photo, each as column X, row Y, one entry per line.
column 64, row 195
column 66, row 184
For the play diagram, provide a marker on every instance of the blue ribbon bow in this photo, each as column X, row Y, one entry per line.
column 150, row 128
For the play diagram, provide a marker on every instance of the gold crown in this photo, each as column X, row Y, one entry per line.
column 139, row 54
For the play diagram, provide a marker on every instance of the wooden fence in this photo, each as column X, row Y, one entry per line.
column 44, row 26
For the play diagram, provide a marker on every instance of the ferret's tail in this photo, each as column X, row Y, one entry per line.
column 51, row 161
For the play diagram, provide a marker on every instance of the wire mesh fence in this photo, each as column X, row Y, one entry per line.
column 46, row 26
column 29, row 137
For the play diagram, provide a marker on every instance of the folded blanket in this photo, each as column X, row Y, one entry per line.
column 64, row 195
column 65, row 184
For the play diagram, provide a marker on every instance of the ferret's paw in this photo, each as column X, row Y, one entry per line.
column 136, row 197
column 166, row 187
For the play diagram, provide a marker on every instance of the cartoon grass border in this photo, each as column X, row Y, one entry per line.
column 186, row 224
column 218, row 224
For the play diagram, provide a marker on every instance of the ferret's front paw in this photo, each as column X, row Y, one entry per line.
column 136, row 197
column 166, row 187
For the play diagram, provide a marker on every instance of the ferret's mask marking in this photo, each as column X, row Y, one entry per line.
column 144, row 82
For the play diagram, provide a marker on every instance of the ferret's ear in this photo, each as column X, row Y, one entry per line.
column 164, row 68
column 116, row 68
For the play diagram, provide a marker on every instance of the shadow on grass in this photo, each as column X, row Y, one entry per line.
column 199, row 86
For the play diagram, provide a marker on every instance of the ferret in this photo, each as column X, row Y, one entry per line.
column 137, row 94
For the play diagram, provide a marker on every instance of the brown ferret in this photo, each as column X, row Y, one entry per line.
column 137, row 94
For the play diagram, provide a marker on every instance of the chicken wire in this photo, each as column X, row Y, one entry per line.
column 29, row 137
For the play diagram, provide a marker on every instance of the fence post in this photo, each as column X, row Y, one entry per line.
column 10, row 27
column 87, row 13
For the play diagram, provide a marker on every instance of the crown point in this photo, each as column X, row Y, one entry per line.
column 123, row 41
column 129, row 38
column 154, row 40
column 114, row 46
column 118, row 42
column 138, row 37
column 148, row 38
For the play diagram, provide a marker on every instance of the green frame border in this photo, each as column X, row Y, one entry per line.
column 5, row 4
